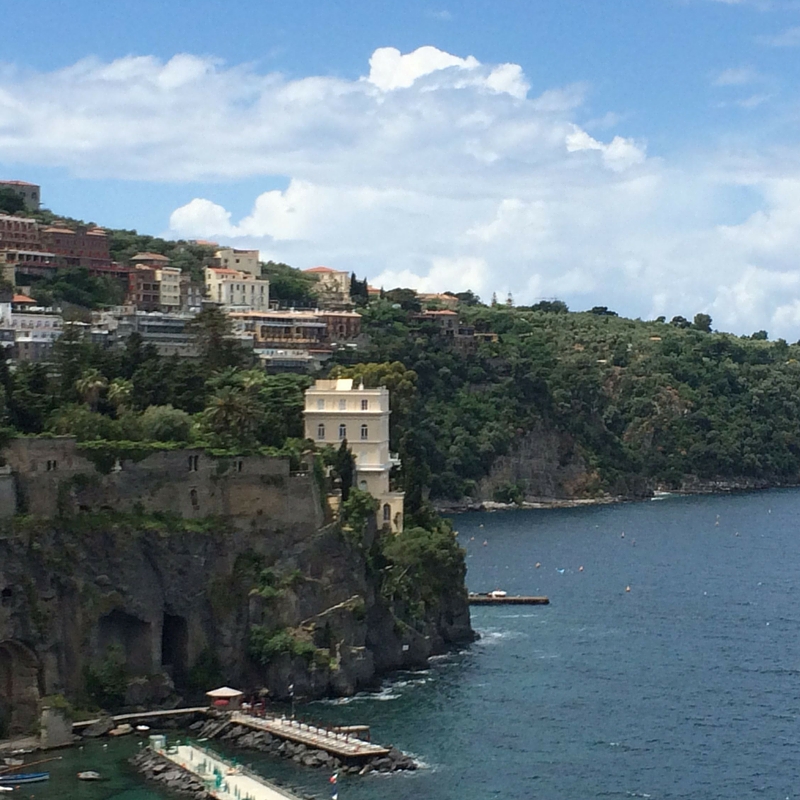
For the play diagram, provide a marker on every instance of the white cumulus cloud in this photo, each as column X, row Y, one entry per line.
column 437, row 171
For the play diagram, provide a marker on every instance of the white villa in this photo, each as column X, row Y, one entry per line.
column 336, row 410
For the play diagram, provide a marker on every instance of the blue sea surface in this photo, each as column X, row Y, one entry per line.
column 686, row 686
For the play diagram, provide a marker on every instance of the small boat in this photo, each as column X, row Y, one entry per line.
column 142, row 728
column 6, row 788
column 89, row 775
column 121, row 730
column 27, row 777
column 13, row 762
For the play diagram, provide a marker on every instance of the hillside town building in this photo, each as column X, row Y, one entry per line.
column 237, row 290
column 29, row 192
column 335, row 411
column 241, row 260
column 332, row 287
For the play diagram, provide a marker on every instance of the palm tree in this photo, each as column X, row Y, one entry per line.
column 119, row 393
column 89, row 386
column 232, row 415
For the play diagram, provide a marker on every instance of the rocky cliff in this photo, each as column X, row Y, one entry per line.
column 135, row 608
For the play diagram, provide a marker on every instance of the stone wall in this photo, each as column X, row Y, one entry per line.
column 52, row 477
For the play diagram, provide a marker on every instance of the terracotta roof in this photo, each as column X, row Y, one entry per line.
column 320, row 269
column 442, row 313
column 149, row 257
column 224, row 271
column 18, row 183
column 96, row 232
column 22, row 298
column 58, row 230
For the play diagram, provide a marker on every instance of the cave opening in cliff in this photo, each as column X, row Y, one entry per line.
column 130, row 633
column 19, row 689
column 175, row 648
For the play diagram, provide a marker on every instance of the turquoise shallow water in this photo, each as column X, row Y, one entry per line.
column 688, row 686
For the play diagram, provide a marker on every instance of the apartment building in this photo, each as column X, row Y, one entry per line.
column 248, row 261
column 236, row 290
column 169, row 288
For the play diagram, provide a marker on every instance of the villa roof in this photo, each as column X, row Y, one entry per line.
column 321, row 270
column 18, row 183
column 22, row 298
column 149, row 257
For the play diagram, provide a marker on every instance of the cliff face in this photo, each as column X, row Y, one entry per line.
column 186, row 604
column 545, row 465
column 138, row 607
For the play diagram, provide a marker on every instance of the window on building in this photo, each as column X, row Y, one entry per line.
column 387, row 512
column 193, row 463
column 342, row 405
column 364, row 432
column 321, row 431
column 365, row 405
column 321, row 405
column 343, row 431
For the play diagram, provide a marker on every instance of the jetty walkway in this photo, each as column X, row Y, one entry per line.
column 224, row 779
column 337, row 743
column 153, row 715
column 507, row 600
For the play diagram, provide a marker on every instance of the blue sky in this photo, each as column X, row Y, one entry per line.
column 641, row 154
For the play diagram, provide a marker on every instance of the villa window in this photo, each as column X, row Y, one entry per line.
column 365, row 405
column 320, row 431
column 342, row 405
column 343, row 431
column 387, row 512
column 193, row 463
column 321, row 405
column 364, row 432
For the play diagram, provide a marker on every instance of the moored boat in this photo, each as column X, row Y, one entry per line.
column 89, row 775
column 25, row 777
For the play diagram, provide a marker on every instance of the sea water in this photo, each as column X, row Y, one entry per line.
column 685, row 686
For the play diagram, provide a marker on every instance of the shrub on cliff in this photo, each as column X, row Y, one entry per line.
column 265, row 644
column 107, row 682
column 423, row 564
column 166, row 424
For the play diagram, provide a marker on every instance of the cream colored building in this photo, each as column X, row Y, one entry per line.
column 241, row 260
column 237, row 290
column 336, row 410
column 333, row 286
column 169, row 288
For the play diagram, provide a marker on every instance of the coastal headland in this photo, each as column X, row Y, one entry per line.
column 150, row 580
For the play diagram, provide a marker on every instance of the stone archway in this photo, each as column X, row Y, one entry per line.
column 19, row 688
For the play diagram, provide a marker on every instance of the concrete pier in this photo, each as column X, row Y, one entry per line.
column 223, row 779
column 342, row 745
column 507, row 600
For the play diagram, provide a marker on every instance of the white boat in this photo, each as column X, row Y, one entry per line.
column 89, row 775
